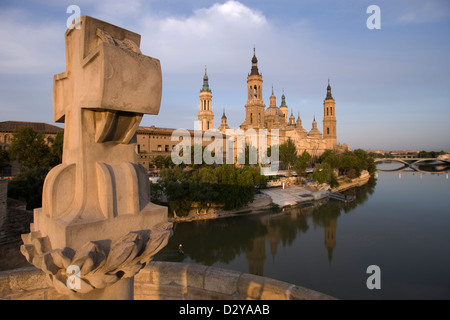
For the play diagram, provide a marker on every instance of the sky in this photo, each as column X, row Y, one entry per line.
column 391, row 85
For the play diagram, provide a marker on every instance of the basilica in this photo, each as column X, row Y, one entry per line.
column 257, row 116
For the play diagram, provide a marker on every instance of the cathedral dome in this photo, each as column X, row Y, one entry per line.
column 315, row 133
column 273, row 111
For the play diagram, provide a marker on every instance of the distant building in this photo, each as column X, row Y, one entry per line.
column 153, row 141
column 257, row 116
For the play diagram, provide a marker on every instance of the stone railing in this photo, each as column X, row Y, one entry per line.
column 168, row 281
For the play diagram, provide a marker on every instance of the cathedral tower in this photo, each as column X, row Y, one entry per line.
column 254, row 109
column 329, row 120
column 205, row 115
column 224, row 125
column 284, row 108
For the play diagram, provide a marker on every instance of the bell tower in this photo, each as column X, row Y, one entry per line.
column 329, row 120
column 254, row 109
column 205, row 115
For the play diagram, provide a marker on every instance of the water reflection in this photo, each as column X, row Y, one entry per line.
column 224, row 240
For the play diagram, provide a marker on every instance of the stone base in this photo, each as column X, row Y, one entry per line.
column 121, row 290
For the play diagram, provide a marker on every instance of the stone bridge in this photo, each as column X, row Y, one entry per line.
column 412, row 163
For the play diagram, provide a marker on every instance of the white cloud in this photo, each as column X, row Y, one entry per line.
column 29, row 46
column 220, row 35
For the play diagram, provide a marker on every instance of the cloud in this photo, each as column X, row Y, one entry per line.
column 29, row 46
column 220, row 34
column 424, row 12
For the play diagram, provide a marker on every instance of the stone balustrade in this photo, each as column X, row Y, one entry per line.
column 168, row 281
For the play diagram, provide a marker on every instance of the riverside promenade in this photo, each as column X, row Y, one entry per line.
column 293, row 195
column 288, row 196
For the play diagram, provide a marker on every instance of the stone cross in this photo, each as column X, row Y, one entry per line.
column 97, row 227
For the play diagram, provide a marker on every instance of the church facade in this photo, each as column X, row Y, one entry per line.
column 258, row 117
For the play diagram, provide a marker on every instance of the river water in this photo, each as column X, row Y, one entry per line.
column 399, row 222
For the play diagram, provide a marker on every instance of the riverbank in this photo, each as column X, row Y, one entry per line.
column 282, row 197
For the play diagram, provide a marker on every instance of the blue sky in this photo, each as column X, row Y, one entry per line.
column 391, row 85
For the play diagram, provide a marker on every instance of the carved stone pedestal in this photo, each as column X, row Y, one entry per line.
column 97, row 227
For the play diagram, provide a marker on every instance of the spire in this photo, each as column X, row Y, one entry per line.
column 273, row 100
column 205, row 83
column 283, row 101
column 329, row 96
column 292, row 118
column 254, row 64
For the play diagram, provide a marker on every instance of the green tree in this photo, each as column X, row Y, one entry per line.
column 29, row 148
column 371, row 166
column 244, row 156
column 207, row 175
column 56, row 149
column 324, row 173
column 27, row 186
column 205, row 189
column 349, row 165
column 4, row 159
column 172, row 174
column 288, row 154
column 161, row 162
column 331, row 157
column 302, row 163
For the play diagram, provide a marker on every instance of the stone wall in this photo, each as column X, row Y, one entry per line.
column 15, row 221
column 181, row 281
column 168, row 281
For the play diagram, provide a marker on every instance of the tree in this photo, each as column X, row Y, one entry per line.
column 321, row 172
column 56, row 149
column 161, row 161
column 27, row 186
column 302, row 164
column 244, row 156
column 206, row 175
column 324, row 173
column 331, row 157
column 288, row 154
column 371, row 166
column 173, row 174
column 4, row 159
column 205, row 190
column 29, row 148
column 349, row 165
column 362, row 157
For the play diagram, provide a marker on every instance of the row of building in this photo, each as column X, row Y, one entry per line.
column 153, row 141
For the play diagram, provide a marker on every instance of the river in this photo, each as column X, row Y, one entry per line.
column 399, row 222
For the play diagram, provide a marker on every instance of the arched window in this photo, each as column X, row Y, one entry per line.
column 255, row 92
column 327, row 111
column 251, row 118
column 331, row 110
column 328, row 130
